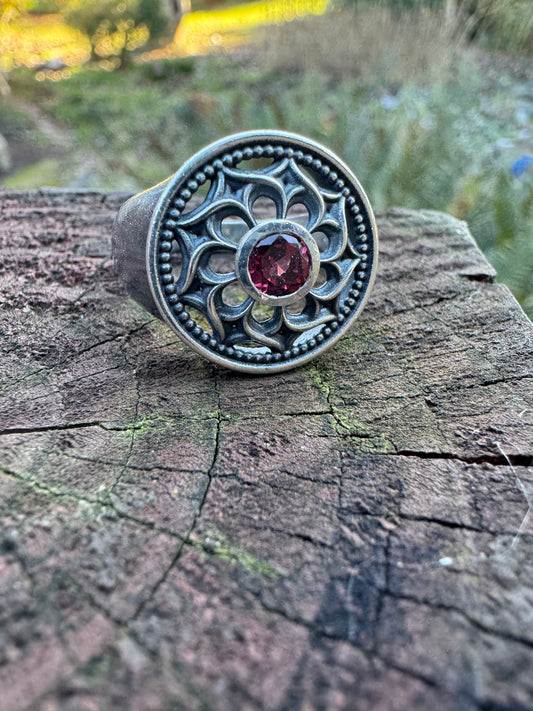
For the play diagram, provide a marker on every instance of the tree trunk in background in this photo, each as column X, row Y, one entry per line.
column 175, row 9
column 450, row 13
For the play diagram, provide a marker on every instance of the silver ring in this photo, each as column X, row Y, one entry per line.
column 260, row 252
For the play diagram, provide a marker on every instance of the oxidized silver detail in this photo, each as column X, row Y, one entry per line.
column 195, row 256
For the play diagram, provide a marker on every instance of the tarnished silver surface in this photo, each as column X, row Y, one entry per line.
column 189, row 266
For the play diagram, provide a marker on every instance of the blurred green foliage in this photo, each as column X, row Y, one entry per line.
column 423, row 122
column 506, row 25
column 115, row 26
column 510, row 24
column 89, row 17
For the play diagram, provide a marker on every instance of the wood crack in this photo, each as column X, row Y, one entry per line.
column 49, row 369
column 486, row 629
column 50, row 428
column 522, row 460
column 104, row 504
column 321, row 634
column 187, row 538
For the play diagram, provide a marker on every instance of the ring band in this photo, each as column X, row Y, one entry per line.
column 259, row 252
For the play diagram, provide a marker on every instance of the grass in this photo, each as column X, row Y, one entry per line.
column 47, row 172
column 372, row 44
column 422, row 122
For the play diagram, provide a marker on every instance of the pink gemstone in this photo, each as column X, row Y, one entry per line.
column 279, row 264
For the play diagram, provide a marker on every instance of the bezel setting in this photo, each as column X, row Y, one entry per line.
column 250, row 240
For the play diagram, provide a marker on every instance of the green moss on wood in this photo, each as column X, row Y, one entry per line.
column 215, row 545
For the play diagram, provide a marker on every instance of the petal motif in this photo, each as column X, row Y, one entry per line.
column 264, row 331
column 221, row 202
column 208, row 276
column 312, row 315
column 191, row 251
column 248, row 186
column 201, row 302
column 299, row 188
column 218, row 312
column 206, row 272
column 335, row 227
column 338, row 274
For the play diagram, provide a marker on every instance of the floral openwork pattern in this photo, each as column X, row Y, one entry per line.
column 205, row 239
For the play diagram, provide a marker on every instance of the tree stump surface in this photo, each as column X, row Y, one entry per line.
column 353, row 535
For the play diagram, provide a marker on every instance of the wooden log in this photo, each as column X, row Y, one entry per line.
column 352, row 535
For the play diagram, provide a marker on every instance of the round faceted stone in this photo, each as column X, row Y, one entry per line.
column 279, row 264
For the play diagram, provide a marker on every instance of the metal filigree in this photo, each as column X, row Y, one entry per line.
column 199, row 235
column 197, row 256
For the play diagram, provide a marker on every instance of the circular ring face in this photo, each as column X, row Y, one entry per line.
column 262, row 251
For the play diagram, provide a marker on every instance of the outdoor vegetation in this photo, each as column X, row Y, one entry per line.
column 430, row 102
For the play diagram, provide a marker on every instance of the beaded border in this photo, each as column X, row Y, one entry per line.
column 208, row 171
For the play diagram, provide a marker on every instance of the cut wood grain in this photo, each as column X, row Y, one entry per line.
column 352, row 535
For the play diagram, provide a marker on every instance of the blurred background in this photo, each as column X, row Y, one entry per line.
column 429, row 101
